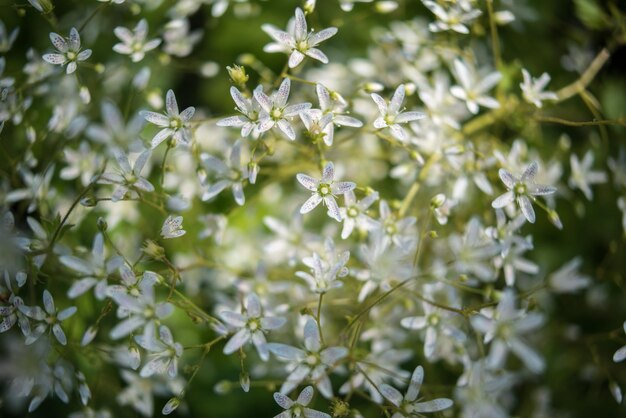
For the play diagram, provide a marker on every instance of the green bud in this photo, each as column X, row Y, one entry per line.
column 237, row 74
column 102, row 224
column 88, row 202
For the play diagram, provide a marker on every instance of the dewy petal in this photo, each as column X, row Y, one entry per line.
column 285, row 128
column 311, row 203
column 307, row 181
column 56, row 59
column 300, row 28
column 409, row 116
column 507, row 178
column 155, row 118
column 281, row 96
column 170, row 103
column 239, row 99
column 333, row 208
column 322, row 35
column 380, row 102
column 305, row 396
column 283, row 400
column 328, row 173
column 539, row 189
column 527, row 208
column 295, row 58
column 432, row 406
column 343, row 120
column 59, row 42
column 253, row 305
column 74, row 40
column 323, row 96
column 503, row 200
column 317, row 54
column 263, row 100
column 161, row 136
column 391, row 394
column 84, row 55
column 277, row 34
column 416, row 383
column 237, row 341
column 530, row 172
column 187, row 114
column 397, row 99
column 342, row 187
column 296, row 109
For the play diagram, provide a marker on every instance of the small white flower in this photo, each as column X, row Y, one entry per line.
column 128, row 179
column 354, row 214
column 391, row 114
column 324, row 190
column 233, row 174
column 250, row 111
column 49, row 317
column 164, row 353
column 522, row 189
column 173, row 227
column 134, row 42
column 453, row 18
column 583, row 176
column 251, row 325
column 297, row 41
column 174, row 124
column 408, row 405
column 70, row 52
column 298, row 408
column 472, row 89
column 532, row 88
column 275, row 109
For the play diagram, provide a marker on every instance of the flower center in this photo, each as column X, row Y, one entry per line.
column 520, row 189
column 276, row 113
column 353, row 212
column 71, row 55
column 324, row 189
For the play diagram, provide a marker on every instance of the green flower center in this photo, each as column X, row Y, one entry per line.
column 324, row 189
column 520, row 189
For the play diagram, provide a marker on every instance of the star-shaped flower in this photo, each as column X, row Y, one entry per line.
column 297, row 41
column 70, row 52
column 174, row 124
column 522, row 189
column 324, row 190
column 391, row 115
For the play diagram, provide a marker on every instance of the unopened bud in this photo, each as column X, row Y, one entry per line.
column 237, row 74
column 437, row 201
column 170, row 406
column 244, row 381
column 154, row 250
column 309, row 6
column 88, row 202
column 102, row 224
column 554, row 219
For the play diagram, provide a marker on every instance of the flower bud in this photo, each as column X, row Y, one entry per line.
column 244, row 381
column 170, row 406
column 102, row 224
column 237, row 74
column 43, row 6
column 437, row 201
column 309, row 6
column 88, row 202
column 154, row 250
column 554, row 219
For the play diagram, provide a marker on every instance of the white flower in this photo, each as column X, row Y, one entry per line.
column 297, row 41
column 454, row 18
column 472, row 89
column 324, row 272
column 94, row 272
column 48, row 318
column 164, row 353
column 502, row 328
column 233, row 174
column 134, row 42
column 251, row 325
column 275, row 109
column 312, row 362
column 70, row 52
column 173, row 227
column 298, row 408
column 392, row 229
column 392, row 115
column 532, row 88
column 129, row 178
column 408, row 405
column 250, row 111
column 582, row 176
column 568, row 279
column 322, row 121
column 522, row 189
column 354, row 214
column 174, row 124
column 324, row 190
